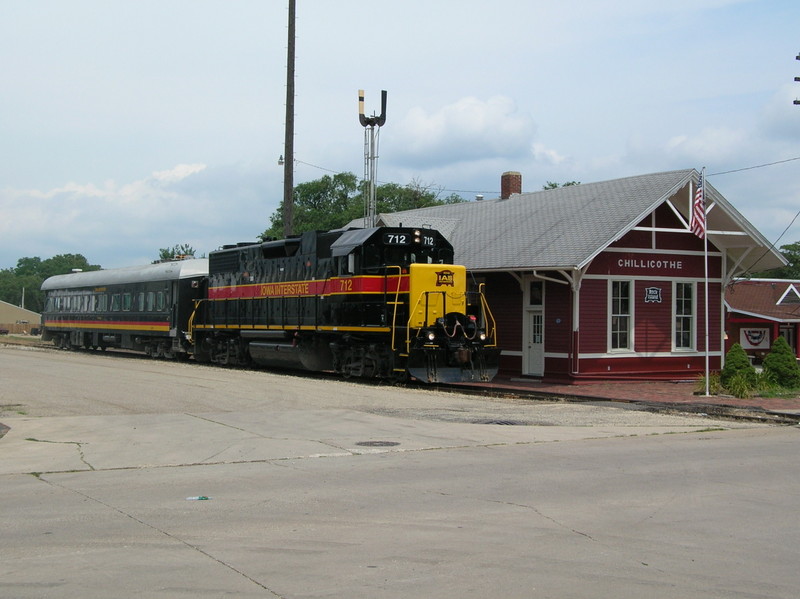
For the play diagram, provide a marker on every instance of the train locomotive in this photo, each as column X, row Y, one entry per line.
column 377, row 302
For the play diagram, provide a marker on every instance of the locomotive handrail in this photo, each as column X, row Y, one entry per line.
column 490, row 332
column 396, row 296
column 190, row 322
column 412, row 311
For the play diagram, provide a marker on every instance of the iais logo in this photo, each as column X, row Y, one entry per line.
column 445, row 278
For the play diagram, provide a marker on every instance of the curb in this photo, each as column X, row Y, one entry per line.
column 751, row 413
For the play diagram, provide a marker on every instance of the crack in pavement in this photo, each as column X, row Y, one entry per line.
column 255, row 434
column 77, row 444
column 164, row 533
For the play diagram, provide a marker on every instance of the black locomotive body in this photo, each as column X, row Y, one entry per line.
column 376, row 302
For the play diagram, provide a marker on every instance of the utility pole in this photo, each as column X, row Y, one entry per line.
column 797, row 79
column 288, row 149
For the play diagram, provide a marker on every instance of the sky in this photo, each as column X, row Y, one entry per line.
column 127, row 126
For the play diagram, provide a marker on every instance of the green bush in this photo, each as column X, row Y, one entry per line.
column 714, row 385
column 741, row 385
column 737, row 363
column 780, row 365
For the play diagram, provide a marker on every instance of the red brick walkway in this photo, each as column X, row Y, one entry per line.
column 658, row 392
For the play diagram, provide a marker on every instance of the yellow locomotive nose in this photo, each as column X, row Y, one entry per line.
column 435, row 290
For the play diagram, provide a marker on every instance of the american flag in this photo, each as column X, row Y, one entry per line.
column 697, row 223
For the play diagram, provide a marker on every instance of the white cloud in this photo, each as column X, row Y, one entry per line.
column 178, row 173
column 710, row 145
column 466, row 130
column 547, row 155
column 123, row 224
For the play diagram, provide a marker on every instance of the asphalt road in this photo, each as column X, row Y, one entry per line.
column 322, row 488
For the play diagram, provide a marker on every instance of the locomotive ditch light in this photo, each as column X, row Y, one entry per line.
column 482, row 336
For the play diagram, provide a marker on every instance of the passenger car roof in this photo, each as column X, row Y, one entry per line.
column 162, row 271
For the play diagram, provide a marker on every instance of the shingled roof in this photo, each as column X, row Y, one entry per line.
column 772, row 299
column 566, row 227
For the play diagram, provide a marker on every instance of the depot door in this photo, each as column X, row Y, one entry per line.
column 533, row 341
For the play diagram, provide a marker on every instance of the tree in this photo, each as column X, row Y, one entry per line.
column 30, row 273
column 737, row 364
column 791, row 252
column 780, row 365
column 333, row 201
column 325, row 203
column 392, row 197
column 553, row 185
column 176, row 251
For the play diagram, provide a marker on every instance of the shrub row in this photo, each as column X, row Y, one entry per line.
column 740, row 379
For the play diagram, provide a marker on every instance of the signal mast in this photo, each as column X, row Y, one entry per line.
column 372, row 126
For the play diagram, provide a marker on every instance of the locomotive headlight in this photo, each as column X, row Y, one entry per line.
column 483, row 336
column 431, row 336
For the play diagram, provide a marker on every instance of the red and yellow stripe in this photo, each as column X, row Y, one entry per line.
column 108, row 325
column 314, row 288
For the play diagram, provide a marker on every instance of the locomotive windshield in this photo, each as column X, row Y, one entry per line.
column 380, row 256
column 416, row 255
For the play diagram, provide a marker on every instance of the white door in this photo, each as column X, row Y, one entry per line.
column 534, row 344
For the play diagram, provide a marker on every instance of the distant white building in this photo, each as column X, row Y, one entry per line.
column 18, row 320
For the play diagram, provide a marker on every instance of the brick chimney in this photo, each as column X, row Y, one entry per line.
column 510, row 182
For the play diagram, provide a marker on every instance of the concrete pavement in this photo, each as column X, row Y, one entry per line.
column 321, row 488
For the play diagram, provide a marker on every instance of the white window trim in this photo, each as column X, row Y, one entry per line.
column 693, row 348
column 631, row 315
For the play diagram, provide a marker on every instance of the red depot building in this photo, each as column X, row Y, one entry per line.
column 602, row 280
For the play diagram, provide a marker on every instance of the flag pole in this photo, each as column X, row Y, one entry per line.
column 705, row 275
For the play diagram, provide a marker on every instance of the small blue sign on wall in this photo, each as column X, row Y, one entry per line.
column 652, row 295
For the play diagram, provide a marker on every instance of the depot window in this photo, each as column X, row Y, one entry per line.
column 684, row 311
column 620, row 316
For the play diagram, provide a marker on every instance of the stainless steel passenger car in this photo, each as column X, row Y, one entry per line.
column 143, row 308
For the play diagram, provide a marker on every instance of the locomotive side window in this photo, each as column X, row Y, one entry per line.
column 102, row 303
column 151, row 299
column 160, row 301
column 126, row 302
column 115, row 302
column 347, row 266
